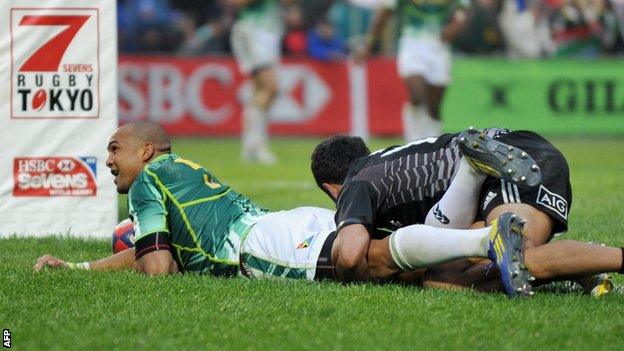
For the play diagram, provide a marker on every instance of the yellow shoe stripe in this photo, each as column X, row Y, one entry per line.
column 498, row 246
column 484, row 168
column 602, row 289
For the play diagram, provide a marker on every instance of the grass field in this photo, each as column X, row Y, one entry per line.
column 99, row 311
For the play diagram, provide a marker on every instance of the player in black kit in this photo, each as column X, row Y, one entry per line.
column 452, row 182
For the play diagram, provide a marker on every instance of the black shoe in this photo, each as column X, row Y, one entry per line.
column 498, row 159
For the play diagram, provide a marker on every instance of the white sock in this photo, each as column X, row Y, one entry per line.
column 420, row 246
column 408, row 122
column 414, row 122
column 458, row 206
column 254, row 132
column 432, row 127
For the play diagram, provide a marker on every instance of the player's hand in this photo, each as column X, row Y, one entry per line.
column 452, row 29
column 50, row 261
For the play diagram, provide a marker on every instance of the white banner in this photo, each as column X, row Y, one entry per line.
column 58, row 107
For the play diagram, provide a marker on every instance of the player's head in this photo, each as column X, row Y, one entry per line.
column 131, row 147
column 331, row 160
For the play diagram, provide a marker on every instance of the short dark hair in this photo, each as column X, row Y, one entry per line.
column 332, row 158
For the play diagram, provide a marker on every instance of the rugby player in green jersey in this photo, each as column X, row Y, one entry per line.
column 427, row 27
column 255, row 40
column 186, row 220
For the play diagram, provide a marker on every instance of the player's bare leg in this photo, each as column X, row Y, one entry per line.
column 565, row 258
column 477, row 274
column 435, row 96
column 538, row 226
column 482, row 275
column 380, row 263
column 471, row 273
column 562, row 260
column 255, row 122
column 559, row 260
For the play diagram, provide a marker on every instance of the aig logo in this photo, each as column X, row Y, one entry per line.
column 553, row 201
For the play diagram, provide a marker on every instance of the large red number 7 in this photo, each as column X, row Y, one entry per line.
column 48, row 57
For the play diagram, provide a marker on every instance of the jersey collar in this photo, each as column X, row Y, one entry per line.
column 160, row 157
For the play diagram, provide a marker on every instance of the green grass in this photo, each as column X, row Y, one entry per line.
column 100, row 311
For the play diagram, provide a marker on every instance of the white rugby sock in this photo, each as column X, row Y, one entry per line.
column 408, row 122
column 254, row 133
column 458, row 206
column 432, row 127
column 414, row 122
column 420, row 246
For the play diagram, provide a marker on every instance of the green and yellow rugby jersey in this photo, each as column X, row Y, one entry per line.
column 205, row 219
column 262, row 14
column 425, row 18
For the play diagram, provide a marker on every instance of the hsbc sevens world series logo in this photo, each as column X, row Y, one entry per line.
column 55, row 63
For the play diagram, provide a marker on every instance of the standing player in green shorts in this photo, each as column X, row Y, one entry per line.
column 186, row 220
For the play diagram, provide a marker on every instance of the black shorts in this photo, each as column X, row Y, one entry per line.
column 553, row 196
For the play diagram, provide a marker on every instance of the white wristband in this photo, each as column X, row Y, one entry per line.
column 83, row 265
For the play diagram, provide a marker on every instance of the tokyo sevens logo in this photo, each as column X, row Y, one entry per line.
column 48, row 57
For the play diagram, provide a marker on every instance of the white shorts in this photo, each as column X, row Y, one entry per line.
column 254, row 47
column 286, row 244
column 429, row 58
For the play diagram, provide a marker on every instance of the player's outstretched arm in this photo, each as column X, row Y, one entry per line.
column 118, row 261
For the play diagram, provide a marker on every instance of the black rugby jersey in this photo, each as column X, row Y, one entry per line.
column 396, row 186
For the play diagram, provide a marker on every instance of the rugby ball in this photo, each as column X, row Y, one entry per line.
column 123, row 236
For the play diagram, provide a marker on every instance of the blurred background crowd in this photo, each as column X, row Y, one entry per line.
column 329, row 29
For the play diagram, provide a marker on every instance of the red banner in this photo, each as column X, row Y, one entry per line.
column 385, row 98
column 203, row 96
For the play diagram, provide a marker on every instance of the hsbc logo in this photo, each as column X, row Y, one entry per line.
column 54, row 63
column 54, row 176
column 210, row 92
column 302, row 94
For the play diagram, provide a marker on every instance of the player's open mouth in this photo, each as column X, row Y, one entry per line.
column 115, row 173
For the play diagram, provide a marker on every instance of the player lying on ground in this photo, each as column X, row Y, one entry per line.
column 186, row 220
column 428, row 181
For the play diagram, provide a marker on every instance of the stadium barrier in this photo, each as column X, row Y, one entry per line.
column 58, row 102
column 202, row 96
